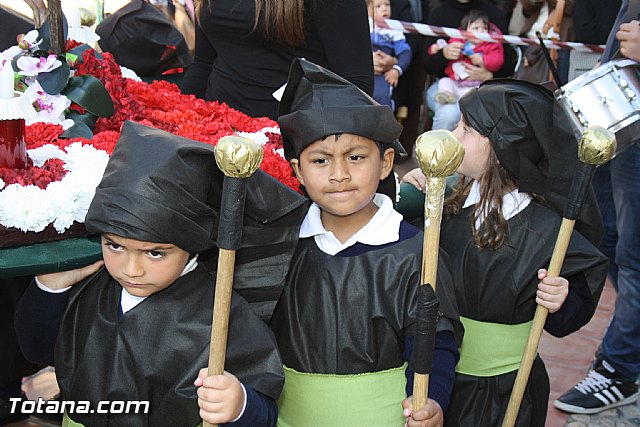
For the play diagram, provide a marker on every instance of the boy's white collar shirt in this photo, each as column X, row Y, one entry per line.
column 513, row 202
column 382, row 228
column 127, row 301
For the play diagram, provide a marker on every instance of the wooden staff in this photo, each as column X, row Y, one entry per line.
column 238, row 158
column 439, row 154
column 596, row 147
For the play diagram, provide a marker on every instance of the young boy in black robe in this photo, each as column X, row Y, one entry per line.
column 137, row 325
column 499, row 228
column 346, row 319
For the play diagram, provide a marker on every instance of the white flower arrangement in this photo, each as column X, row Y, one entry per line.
column 30, row 208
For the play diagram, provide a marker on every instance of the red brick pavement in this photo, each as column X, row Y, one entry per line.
column 568, row 359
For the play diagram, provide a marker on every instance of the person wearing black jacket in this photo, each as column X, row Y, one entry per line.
column 593, row 19
column 241, row 61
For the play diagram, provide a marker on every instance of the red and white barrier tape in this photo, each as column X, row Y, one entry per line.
column 432, row 30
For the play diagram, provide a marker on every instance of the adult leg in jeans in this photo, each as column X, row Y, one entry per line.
column 621, row 344
column 611, row 381
column 446, row 116
column 604, row 195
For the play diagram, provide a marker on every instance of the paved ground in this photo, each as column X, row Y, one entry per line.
column 568, row 360
column 626, row 416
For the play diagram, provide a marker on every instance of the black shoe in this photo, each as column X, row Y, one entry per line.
column 6, row 416
column 598, row 391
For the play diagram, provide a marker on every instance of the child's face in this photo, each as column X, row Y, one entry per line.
column 142, row 268
column 380, row 9
column 478, row 26
column 476, row 150
column 342, row 175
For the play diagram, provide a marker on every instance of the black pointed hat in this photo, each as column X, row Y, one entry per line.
column 138, row 36
column 532, row 137
column 148, row 191
column 317, row 103
column 160, row 187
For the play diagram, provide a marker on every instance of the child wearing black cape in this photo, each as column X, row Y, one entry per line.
column 499, row 228
column 138, row 328
column 346, row 319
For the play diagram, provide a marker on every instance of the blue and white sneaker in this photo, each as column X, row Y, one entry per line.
column 598, row 391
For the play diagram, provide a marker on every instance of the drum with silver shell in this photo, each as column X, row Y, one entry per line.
column 608, row 96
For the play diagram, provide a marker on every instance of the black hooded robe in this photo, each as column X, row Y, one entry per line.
column 155, row 350
column 499, row 286
column 351, row 315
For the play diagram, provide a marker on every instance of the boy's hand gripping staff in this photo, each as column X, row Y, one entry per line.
column 439, row 154
column 238, row 158
column 596, row 147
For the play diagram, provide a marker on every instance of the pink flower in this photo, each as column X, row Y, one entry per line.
column 50, row 108
column 32, row 66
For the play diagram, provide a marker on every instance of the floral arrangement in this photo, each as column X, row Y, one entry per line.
column 65, row 167
column 51, row 83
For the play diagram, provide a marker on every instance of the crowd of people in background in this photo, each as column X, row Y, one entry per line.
column 242, row 53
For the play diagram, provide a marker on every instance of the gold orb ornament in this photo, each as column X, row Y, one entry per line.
column 597, row 145
column 238, row 157
column 439, row 153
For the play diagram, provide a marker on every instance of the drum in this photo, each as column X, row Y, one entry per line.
column 608, row 96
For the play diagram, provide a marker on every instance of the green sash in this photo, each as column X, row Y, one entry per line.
column 490, row 349
column 68, row 422
column 324, row 400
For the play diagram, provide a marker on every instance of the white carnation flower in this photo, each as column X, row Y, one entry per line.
column 41, row 154
column 129, row 74
column 25, row 208
column 83, row 200
column 258, row 137
column 63, row 204
column 85, row 158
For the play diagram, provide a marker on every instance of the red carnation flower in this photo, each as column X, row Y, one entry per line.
column 51, row 170
column 39, row 134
